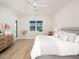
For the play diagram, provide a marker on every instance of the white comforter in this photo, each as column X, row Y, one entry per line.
column 47, row 45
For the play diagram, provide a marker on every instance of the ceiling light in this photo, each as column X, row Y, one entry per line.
column 35, row 4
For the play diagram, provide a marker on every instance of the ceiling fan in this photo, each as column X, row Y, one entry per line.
column 35, row 5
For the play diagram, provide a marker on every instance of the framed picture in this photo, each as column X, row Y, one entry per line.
column 1, row 29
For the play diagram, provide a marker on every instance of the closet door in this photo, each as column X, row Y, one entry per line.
column 16, row 21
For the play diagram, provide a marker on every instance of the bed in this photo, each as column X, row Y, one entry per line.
column 51, row 47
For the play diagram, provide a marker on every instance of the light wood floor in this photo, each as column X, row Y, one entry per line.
column 20, row 50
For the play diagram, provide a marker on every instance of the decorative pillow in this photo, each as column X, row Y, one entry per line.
column 67, row 36
column 72, row 37
column 56, row 34
column 77, row 39
column 63, row 36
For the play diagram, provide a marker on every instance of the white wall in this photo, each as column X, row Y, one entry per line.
column 7, row 16
column 68, row 16
column 24, row 25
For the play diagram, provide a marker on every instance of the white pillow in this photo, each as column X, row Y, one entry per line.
column 77, row 39
column 56, row 34
column 63, row 37
column 71, row 37
column 67, row 36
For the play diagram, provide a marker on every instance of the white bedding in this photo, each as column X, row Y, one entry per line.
column 47, row 45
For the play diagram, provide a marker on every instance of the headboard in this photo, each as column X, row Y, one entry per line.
column 71, row 29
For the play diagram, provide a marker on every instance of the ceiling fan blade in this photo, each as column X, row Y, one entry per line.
column 36, row 7
column 42, row 6
column 32, row 4
column 29, row 2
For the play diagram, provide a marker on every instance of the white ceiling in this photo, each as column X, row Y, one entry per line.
column 22, row 8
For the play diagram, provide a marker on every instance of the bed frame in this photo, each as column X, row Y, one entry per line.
column 71, row 29
column 67, row 29
column 58, row 57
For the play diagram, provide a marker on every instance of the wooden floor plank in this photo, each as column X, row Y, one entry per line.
column 20, row 50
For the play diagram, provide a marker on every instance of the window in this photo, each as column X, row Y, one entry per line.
column 36, row 26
